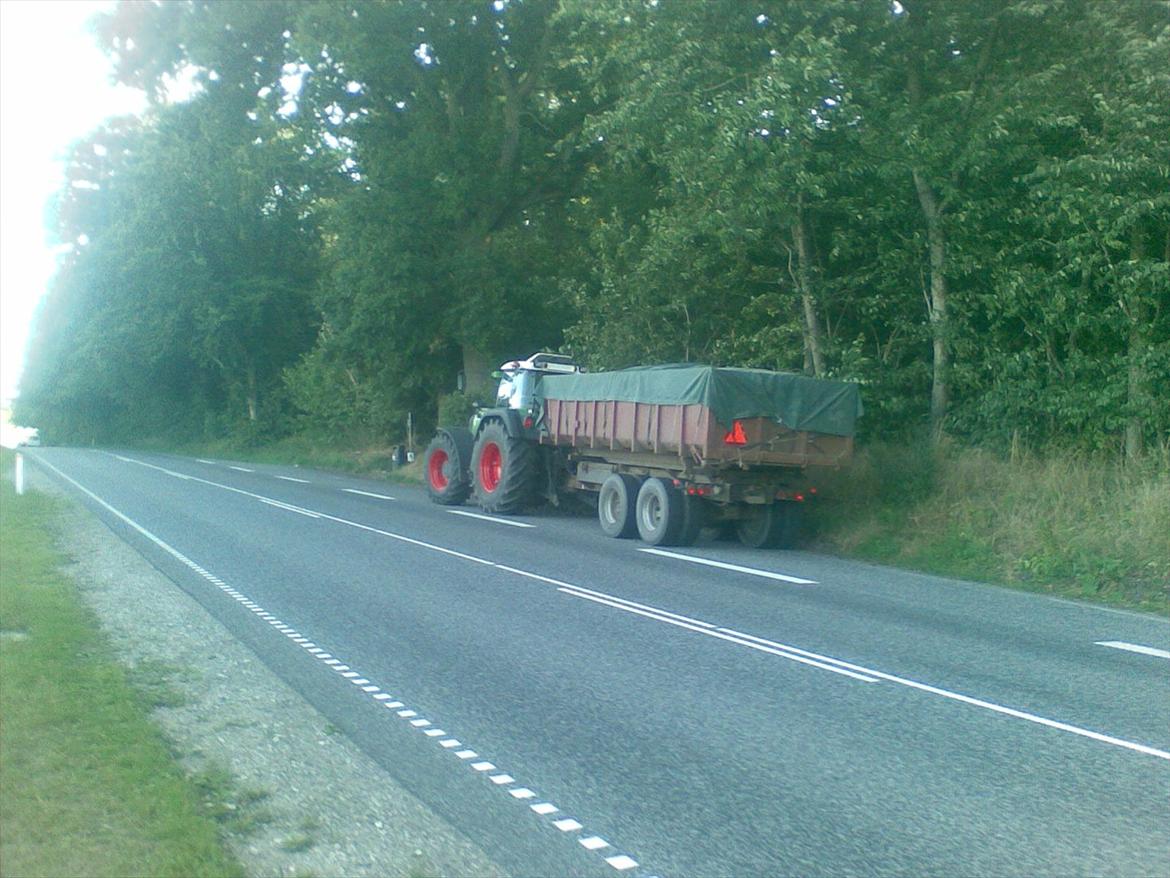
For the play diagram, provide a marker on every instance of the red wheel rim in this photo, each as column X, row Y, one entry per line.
column 435, row 469
column 490, row 463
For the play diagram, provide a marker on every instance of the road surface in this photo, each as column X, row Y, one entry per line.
column 578, row 705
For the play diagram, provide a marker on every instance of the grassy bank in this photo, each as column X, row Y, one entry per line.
column 1065, row 525
column 341, row 454
column 88, row 785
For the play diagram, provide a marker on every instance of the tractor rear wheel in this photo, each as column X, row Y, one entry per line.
column 445, row 466
column 503, row 470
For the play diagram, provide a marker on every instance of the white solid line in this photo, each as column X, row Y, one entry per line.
column 289, row 507
column 367, row 494
column 568, row 824
column 720, row 636
column 291, row 479
column 1135, row 647
column 490, row 518
column 242, row 469
column 621, row 862
column 767, row 574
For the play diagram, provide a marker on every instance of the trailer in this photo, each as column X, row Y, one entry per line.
column 666, row 450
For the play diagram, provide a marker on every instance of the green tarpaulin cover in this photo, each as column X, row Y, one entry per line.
column 796, row 401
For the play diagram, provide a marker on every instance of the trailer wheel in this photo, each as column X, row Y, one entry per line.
column 777, row 525
column 694, row 517
column 659, row 512
column 503, row 470
column 445, row 465
column 616, row 506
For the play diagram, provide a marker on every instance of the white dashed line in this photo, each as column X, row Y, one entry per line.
column 736, row 568
column 367, row 494
column 201, row 460
column 593, row 843
column 467, row 514
column 242, row 469
column 1135, row 647
column 501, row 779
column 291, row 479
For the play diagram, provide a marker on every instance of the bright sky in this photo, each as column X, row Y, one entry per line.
column 54, row 88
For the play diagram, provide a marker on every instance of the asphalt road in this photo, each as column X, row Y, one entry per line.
column 578, row 705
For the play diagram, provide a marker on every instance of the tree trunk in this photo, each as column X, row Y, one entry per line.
column 804, row 283
column 477, row 368
column 939, row 322
column 1136, row 398
column 250, row 374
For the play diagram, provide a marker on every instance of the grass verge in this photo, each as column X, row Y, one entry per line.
column 1066, row 525
column 88, row 784
column 342, row 455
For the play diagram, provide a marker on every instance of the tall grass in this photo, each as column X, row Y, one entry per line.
column 1066, row 524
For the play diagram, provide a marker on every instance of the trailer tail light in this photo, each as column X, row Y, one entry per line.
column 528, row 422
column 700, row 490
column 736, row 435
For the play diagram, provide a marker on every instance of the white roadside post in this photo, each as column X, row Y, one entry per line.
column 18, row 476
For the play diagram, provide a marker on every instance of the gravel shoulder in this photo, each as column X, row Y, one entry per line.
column 302, row 799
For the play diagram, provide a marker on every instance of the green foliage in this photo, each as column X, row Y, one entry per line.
column 455, row 409
column 963, row 206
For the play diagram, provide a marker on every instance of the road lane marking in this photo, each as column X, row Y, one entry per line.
column 522, row 793
column 729, row 638
column 737, row 568
column 567, row 824
column 582, row 593
column 367, row 494
column 506, row 521
column 593, row 843
column 201, row 460
column 291, row 479
column 290, row 508
column 242, row 469
column 501, row 779
column 621, row 862
column 1135, row 647
column 544, row 808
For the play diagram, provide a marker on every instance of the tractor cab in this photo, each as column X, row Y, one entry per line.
column 518, row 378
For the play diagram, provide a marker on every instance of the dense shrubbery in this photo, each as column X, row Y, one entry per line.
column 964, row 206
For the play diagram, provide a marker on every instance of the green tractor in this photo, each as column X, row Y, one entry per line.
column 497, row 457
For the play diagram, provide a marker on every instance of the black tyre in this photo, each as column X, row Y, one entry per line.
column 659, row 512
column 445, row 466
column 774, row 526
column 694, row 517
column 503, row 470
column 616, row 506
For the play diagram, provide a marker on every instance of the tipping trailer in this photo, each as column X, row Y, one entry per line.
column 666, row 449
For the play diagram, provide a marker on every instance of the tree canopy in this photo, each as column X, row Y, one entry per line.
column 963, row 206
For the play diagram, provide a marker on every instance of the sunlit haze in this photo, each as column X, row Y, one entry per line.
column 54, row 88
